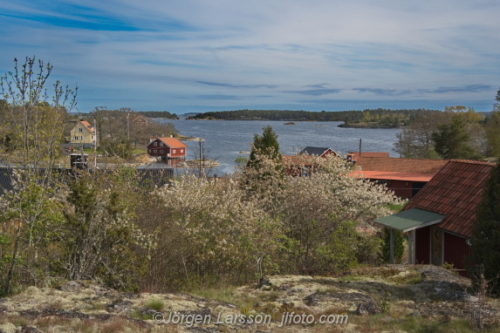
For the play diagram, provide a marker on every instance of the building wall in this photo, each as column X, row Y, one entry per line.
column 423, row 246
column 402, row 189
column 162, row 150
column 328, row 153
column 80, row 134
column 456, row 250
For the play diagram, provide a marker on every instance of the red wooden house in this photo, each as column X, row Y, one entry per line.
column 439, row 219
column 167, row 148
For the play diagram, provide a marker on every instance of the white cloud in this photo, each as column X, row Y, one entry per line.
column 248, row 46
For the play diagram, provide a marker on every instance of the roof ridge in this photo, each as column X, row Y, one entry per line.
column 472, row 162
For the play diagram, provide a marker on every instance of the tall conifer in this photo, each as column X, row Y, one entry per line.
column 486, row 235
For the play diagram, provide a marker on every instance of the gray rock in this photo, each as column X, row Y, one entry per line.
column 264, row 283
column 367, row 308
column 30, row 329
column 71, row 286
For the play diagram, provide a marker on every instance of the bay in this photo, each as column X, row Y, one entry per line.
column 225, row 140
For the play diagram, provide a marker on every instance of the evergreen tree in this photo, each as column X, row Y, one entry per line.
column 492, row 128
column 485, row 240
column 265, row 144
column 452, row 140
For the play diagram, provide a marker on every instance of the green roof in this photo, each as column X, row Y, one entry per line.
column 411, row 219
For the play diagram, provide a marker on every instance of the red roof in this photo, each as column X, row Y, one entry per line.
column 388, row 175
column 392, row 164
column 87, row 124
column 455, row 191
column 356, row 155
column 173, row 142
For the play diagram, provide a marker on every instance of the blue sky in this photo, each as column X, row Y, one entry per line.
column 204, row 55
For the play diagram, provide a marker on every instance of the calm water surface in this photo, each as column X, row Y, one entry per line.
column 226, row 140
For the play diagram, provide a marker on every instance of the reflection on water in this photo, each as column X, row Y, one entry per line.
column 224, row 140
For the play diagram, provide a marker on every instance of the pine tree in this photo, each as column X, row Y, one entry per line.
column 452, row 141
column 265, row 144
column 485, row 240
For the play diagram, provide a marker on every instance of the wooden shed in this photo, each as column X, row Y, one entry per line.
column 439, row 219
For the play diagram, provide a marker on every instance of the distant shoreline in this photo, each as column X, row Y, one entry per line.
column 360, row 125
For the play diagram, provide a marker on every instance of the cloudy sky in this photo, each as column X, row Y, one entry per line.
column 204, row 55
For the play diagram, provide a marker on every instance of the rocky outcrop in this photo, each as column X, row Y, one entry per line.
column 275, row 304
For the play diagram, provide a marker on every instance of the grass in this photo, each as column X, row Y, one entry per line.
column 155, row 304
column 413, row 277
column 223, row 294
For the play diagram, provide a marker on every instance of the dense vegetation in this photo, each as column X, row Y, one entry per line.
column 486, row 236
column 119, row 133
column 377, row 117
column 194, row 232
column 109, row 226
column 457, row 133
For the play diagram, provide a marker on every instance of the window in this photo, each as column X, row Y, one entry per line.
column 76, row 138
column 154, row 151
column 80, row 130
column 81, row 138
column 161, row 151
column 155, row 144
column 182, row 150
column 161, row 144
column 174, row 151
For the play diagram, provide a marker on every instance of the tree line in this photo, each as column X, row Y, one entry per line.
column 457, row 133
column 385, row 117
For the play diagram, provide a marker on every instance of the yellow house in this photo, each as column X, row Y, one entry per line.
column 83, row 133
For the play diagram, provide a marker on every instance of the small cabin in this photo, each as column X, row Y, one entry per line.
column 439, row 219
column 167, row 148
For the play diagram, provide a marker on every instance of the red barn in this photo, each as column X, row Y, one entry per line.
column 167, row 148
column 439, row 219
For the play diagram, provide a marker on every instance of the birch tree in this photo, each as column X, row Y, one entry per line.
column 34, row 118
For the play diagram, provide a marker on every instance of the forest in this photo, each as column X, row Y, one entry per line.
column 377, row 117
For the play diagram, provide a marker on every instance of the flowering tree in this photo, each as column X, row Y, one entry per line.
column 323, row 213
column 208, row 232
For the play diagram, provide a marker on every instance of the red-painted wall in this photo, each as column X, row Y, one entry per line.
column 161, row 150
column 423, row 246
column 403, row 189
column 455, row 251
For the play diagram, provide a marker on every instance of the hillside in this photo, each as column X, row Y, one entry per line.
column 392, row 298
